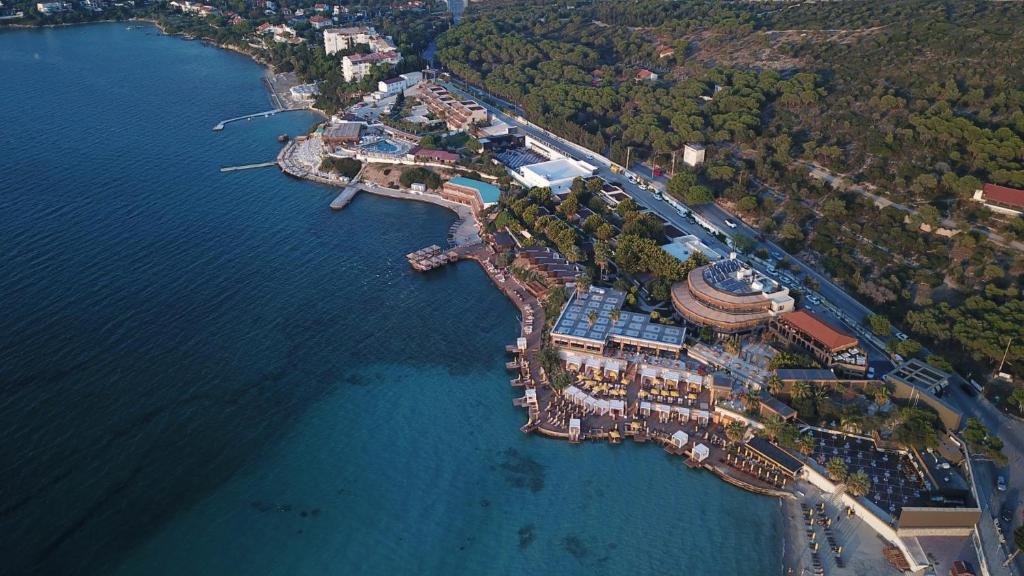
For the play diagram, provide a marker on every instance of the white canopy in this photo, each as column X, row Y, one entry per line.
column 618, row 405
column 574, row 424
column 602, row 406
column 694, row 378
column 593, row 363
column 670, row 376
column 683, row 412
column 612, row 366
column 531, row 394
column 645, row 406
column 570, row 391
column 649, row 372
column 662, row 408
column 573, row 361
column 701, row 452
column 521, row 343
column 680, row 438
column 589, row 402
column 702, row 415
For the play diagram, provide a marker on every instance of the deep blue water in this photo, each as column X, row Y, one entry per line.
column 209, row 373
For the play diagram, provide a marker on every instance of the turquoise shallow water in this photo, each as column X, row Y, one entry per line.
column 209, row 373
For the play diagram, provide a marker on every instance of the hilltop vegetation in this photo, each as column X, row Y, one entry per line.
column 916, row 101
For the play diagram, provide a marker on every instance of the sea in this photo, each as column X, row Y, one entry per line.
column 209, row 373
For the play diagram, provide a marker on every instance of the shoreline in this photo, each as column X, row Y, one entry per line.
column 481, row 252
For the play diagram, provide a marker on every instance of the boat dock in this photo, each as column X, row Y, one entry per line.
column 248, row 166
column 220, row 125
column 430, row 258
column 345, row 197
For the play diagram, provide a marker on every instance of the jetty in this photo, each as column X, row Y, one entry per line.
column 248, row 166
column 345, row 197
column 220, row 125
column 431, row 257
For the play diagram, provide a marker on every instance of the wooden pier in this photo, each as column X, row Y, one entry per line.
column 345, row 197
column 431, row 257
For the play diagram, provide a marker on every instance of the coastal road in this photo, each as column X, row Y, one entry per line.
column 844, row 308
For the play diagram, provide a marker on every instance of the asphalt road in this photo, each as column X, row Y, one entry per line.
column 848, row 310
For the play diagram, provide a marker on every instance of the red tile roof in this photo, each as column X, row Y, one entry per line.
column 440, row 155
column 817, row 329
column 1004, row 195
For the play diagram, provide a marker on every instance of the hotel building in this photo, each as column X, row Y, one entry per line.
column 829, row 346
column 730, row 298
column 357, row 66
column 458, row 114
column 473, row 193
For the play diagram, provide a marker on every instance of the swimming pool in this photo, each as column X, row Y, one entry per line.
column 383, row 145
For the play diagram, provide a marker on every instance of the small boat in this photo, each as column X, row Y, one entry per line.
column 282, row 138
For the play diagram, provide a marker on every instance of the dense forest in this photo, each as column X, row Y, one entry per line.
column 915, row 102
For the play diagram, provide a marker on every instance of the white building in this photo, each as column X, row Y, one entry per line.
column 356, row 66
column 398, row 84
column 338, row 39
column 50, row 7
column 685, row 246
column 693, row 154
column 320, row 22
column 555, row 174
column 305, row 92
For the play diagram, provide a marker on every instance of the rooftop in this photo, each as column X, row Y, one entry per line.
column 442, row 155
column 344, row 130
column 920, row 375
column 1004, row 195
column 557, row 170
column 806, row 374
column 489, row 193
column 575, row 320
column 734, row 277
column 819, row 330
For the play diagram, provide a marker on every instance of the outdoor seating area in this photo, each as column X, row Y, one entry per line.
column 895, row 479
column 754, row 463
column 600, row 378
column 669, row 386
column 819, row 517
column 516, row 158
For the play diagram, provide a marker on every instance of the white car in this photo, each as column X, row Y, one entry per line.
column 730, row 223
column 902, row 336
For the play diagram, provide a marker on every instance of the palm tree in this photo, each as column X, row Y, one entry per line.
column 773, row 426
column 735, row 431
column 805, row 444
column 882, row 396
column 592, row 317
column 615, row 315
column 582, row 283
column 775, row 385
column 602, row 255
column 836, row 469
column 801, row 390
column 858, row 483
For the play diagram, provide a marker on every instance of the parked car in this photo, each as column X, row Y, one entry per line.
column 902, row 336
column 730, row 223
column 871, row 372
column 1001, row 484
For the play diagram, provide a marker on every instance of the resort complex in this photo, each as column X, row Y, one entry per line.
column 720, row 367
